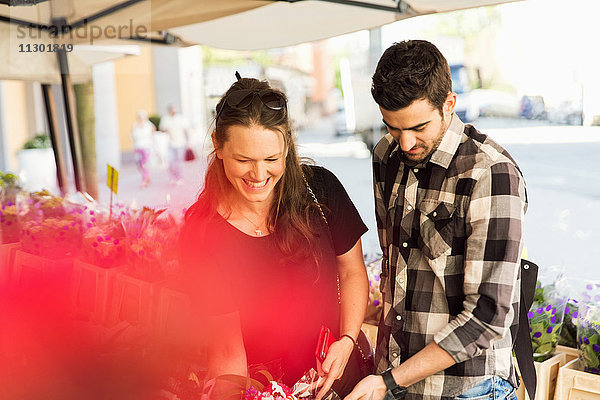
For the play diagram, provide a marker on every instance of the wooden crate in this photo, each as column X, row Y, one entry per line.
column 575, row 384
column 91, row 290
column 174, row 314
column 7, row 261
column 31, row 270
column 547, row 372
column 133, row 301
column 570, row 352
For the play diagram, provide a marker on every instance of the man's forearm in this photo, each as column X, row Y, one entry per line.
column 430, row 360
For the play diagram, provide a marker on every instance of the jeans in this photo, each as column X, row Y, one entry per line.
column 494, row 388
column 176, row 159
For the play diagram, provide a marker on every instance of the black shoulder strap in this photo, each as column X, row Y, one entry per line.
column 522, row 346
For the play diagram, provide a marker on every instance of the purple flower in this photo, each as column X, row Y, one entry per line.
column 575, row 314
column 548, row 307
column 586, row 340
column 553, row 319
column 530, row 314
column 589, row 287
column 597, row 297
column 553, row 311
column 537, row 334
column 540, row 310
column 530, row 330
column 567, row 310
column 596, row 348
column 549, row 330
column 376, row 302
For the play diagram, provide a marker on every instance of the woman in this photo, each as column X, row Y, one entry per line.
column 262, row 258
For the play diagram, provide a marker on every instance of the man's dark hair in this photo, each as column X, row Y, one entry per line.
column 408, row 71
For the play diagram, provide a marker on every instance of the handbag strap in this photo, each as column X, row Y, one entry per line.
column 522, row 343
column 339, row 292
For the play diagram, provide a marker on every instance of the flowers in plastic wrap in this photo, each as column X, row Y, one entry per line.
column 273, row 391
column 103, row 240
column 546, row 313
column 151, row 237
column 9, row 225
column 375, row 305
column 50, row 225
column 588, row 331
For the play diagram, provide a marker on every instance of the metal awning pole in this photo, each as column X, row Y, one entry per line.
column 71, row 120
column 59, row 156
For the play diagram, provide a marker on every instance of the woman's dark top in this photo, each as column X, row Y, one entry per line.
column 282, row 304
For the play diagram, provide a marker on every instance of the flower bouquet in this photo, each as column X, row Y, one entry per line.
column 588, row 335
column 50, row 226
column 151, row 238
column 546, row 317
column 9, row 225
column 103, row 240
column 374, row 305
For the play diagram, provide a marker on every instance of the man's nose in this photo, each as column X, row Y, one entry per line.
column 407, row 140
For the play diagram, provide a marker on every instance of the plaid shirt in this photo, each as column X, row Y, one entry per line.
column 451, row 239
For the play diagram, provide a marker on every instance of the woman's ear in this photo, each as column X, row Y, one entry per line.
column 215, row 146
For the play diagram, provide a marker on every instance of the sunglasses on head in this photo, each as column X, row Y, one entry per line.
column 242, row 98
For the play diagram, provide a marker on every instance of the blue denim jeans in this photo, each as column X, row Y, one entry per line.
column 494, row 388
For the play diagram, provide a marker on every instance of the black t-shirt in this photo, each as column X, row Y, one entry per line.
column 282, row 304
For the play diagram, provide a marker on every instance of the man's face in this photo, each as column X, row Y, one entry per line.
column 420, row 127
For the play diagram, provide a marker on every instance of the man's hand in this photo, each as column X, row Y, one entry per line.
column 334, row 364
column 370, row 388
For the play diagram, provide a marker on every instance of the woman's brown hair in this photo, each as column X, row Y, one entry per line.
column 290, row 215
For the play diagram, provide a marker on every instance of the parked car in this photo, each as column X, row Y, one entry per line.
column 568, row 112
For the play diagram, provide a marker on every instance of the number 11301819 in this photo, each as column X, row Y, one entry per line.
column 44, row 48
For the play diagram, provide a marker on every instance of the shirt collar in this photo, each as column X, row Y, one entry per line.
column 443, row 155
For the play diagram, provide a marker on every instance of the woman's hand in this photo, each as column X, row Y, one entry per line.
column 334, row 364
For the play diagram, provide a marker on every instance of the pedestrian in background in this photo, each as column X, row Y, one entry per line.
column 142, row 135
column 175, row 126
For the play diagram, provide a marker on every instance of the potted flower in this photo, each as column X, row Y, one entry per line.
column 588, row 338
column 545, row 320
column 374, row 306
column 36, row 163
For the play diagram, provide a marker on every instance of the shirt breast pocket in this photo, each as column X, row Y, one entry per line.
column 436, row 222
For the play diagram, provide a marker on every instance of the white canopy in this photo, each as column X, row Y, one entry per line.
column 230, row 24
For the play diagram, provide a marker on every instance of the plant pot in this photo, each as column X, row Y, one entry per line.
column 37, row 170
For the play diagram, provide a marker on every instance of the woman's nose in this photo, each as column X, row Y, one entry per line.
column 259, row 171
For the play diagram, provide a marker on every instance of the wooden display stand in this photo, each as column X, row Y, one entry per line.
column 7, row 261
column 91, row 290
column 547, row 372
column 575, row 384
column 31, row 269
column 371, row 332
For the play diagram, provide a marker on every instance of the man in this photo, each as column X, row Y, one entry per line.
column 175, row 125
column 449, row 206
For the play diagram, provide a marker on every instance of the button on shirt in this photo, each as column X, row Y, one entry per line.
column 450, row 229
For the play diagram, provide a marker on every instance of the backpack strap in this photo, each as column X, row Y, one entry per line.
column 522, row 345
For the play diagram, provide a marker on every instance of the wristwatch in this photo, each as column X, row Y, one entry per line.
column 396, row 391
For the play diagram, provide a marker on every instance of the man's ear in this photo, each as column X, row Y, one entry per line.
column 217, row 149
column 449, row 104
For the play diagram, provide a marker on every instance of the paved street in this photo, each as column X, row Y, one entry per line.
column 559, row 163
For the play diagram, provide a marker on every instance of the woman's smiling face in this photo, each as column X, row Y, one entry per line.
column 254, row 161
